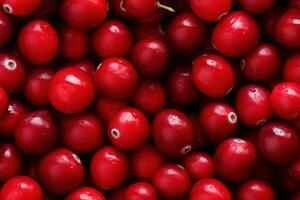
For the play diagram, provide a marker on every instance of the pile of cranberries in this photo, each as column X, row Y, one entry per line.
column 149, row 100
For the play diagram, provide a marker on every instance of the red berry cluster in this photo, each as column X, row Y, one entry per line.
column 149, row 100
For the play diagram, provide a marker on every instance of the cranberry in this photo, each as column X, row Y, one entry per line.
column 242, row 156
column 60, row 171
column 65, row 87
column 236, row 34
column 294, row 169
column 256, row 6
column 154, row 18
column 6, row 28
column 116, row 7
column 112, row 39
column 38, row 42
column 86, row 66
column 210, row 189
column 141, row 191
column 213, row 75
column 21, row 188
column 172, row 181
column 278, row 143
column 20, row 8
column 84, row 193
column 172, row 133
column 143, row 31
column 84, row 14
column 291, row 70
column 3, row 101
column 109, row 168
column 107, row 107
column 116, row 78
column 255, row 189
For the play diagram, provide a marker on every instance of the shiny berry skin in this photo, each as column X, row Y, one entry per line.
column 185, row 32
column 210, row 189
column 294, row 169
column 172, row 181
column 38, row 42
column 112, row 39
column 199, row 165
column 109, row 168
column 287, row 28
column 84, row 193
column 172, row 133
column 144, row 162
column 35, row 133
column 242, row 157
column 6, row 28
column 11, row 162
column 82, row 133
column 150, row 57
column 21, row 188
column 285, row 100
column 236, row 34
column 262, row 63
column 141, row 191
column 210, row 10
column 255, row 189
column 116, row 78
column 84, row 14
column 12, row 73
column 291, row 69
column 219, row 121
column 213, row 75
column 150, row 96
column 37, row 86
column 65, row 86
column 256, row 6
column 107, row 107
column 278, row 143
column 3, row 101
column 253, row 105
column 20, row 8
column 60, row 171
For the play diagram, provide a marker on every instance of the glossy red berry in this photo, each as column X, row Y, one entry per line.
column 20, row 8
column 278, row 143
column 84, row 14
column 21, row 188
column 172, row 181
column 38, row 42
column 116, row 78
column 141, row 191
column 213, row 75
column 236, row 34
column 255, row 189
column 294, row 169
column 6, row 28
column 291, row 70
column 256, row 6
column 235, row 159
column 3, row 102
column 84, row 193
column 112, row 39
column 65, row 87
column 60, row 171
column 109, row 168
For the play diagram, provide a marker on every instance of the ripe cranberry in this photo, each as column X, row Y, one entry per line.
column 112, row 39
column 37, row 86
column 109, row 168
column 116, row 7
column 172, row 133
column 47, row 10
column 150, row 57
column 236, row 34
column 6, row 28
column 235, row 159
column 107, row 108
column 38, row 42
column 186, row 32
column 116, row 78
column 255, row 189
column 60, row 171
column 141, row 191
column 253, row 105
column 211, row 10
column 287, row 28
column 20, row 8
column 86, row 66
column 285, row 100
column 291, row 70
column 150, row 96
column 154, row 18
column 84, row 193
column 21, row 188
column 294, row 169
column 82, row 133
column 3, row 102
column 219, row 121
column 12, row 73
column 11, row 162
column 143, row 31
column 278, row 143
column 210, row 189
column 261, row 64
column 65, row 87
column 172, row 181
column 256, row 6
column 74, row 43
column 144, row 162
column 213, row 75
column 84, row 14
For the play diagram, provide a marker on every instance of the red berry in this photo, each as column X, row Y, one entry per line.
column 143, row 31
column 291, row 70
column 116, row 7
column 294, row 169
column 141, row 191
column 3, row 102
column 256, row 6
column 19, row 8
column 6, row 28
column 84, row 193
column 86, row 66
column 255, row 189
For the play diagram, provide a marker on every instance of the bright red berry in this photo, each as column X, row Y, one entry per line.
column 6, row 28
column 256, row 6
column 141, row 191
column 291, row 70
column 19, row 8
column 255, row 189
column 84, row 193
